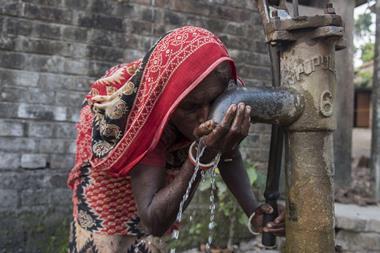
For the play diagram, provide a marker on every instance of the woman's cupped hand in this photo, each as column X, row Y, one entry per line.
column 226, row 136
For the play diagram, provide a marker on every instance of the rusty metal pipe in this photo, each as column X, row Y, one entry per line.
column 269, row 105
column 272, row 193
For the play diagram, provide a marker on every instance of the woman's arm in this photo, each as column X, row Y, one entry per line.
column 158, row 203
column 237, row 181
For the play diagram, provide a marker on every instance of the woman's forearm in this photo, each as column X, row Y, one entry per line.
column 237, row 181
column 160, row 210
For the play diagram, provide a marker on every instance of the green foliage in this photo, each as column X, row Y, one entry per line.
column 58, row 241
column 367, row 52
column 230, row 219
column 365, row 78
column 363, row 24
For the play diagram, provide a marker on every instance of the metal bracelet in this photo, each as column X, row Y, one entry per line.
column 249, row 224
column 203, row 166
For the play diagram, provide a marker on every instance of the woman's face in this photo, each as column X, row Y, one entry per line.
column 194, row 108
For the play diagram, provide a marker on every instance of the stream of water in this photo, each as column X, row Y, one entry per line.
column 212, row 207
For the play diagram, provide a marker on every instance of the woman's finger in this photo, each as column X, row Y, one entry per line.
column 204, row 129
column 264, row 209
column 275, row 225
column 275, row 231
column 281, row 216
column 220, row 130
column 247, row 121
column 238, row 120
column 229, row 116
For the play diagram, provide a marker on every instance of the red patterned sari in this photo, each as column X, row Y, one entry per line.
column 123, row 122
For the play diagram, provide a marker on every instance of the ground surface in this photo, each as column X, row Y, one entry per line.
column 360, row 191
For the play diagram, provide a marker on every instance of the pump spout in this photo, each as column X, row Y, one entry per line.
column 269, row 105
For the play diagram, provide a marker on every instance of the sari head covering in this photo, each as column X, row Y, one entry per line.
column 130, row 105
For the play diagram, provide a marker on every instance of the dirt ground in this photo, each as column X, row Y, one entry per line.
column 361, row 189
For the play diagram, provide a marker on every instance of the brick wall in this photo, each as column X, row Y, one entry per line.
column 50, row 50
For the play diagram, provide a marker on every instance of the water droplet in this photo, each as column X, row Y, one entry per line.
column 175, row 234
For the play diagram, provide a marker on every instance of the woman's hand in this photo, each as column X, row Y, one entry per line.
column 277, row 227
column 226, row 136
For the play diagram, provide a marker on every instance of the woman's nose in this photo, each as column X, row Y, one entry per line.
column 203, row 113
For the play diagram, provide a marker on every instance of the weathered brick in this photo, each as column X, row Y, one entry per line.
column 80, row 83
column 18, row 78
column 75, row 34
column 41, row 46
column 73, row 114
column 101, row 22
column 42, row 112
column 11, row 8
column 16, row 26
column 11, row 128
column 47, row 30
column 244, row 4
column 231, row 14
column 33, row 161
column 19, row 144
column 47, row 13
column 8, row 199
column 40, row 129
column 102, row 7
column 97, row 69
column 72, row 147
column 51, row 63
column 234, row 29
column 58, row 181
column 108, row 38
column 249, row 58
column 56, row 3
column 9, row 160
column 12, row 60
column 50, row 47
column 65, row 130
column 53, row 146
column 8, row 110
column 31, row 198
column 174, row 18
column 60, row 197
column 13, row 94
column 194, row 7
column 76, row 5
column 40, row 96
column 7, row 42
column 151, row 15
column 105, row 53
column 23, row 94
column 233, row 42
column 78, row 67
column 17, row 180
column 255, row 72
column 141, row 27
column 61, row 162
column 157, row 3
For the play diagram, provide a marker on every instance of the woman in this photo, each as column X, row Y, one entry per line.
column 134, row 158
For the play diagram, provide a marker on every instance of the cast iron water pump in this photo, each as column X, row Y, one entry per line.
column 301, row 109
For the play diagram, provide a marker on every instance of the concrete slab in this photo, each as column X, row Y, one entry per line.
column 357, row 218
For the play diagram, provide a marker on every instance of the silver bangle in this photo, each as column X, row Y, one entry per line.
column 214, row 162
column 249, row 225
